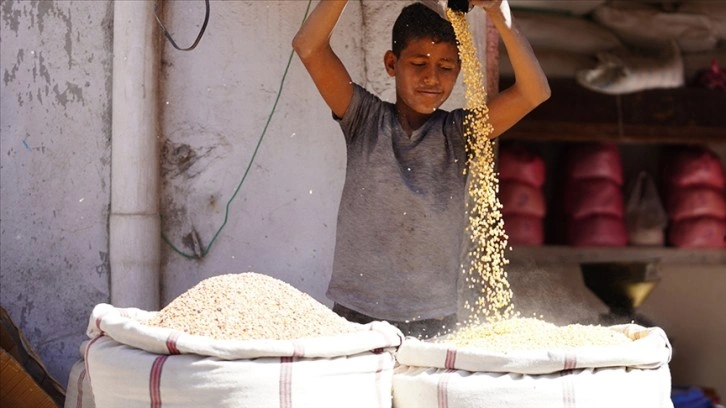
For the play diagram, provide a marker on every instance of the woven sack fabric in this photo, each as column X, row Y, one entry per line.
column 437, row 375
column 78, row 392
column 132, row 365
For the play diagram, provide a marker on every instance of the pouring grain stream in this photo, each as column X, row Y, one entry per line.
column 493, row 322
column 485, row 226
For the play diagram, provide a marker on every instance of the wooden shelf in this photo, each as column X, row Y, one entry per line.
column 574, row 113
column 657, row 116
column 576, row 255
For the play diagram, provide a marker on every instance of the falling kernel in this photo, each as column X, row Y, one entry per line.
column 484, row 271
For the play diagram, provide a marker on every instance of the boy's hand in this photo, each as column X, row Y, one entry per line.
column 487, row 4
column 496, row 9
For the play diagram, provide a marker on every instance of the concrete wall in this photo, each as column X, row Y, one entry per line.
column 55, row 119
column 214, row 103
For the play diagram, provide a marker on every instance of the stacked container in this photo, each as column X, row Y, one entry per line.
column 593, row 198
column 521, row 177
column 695, row 202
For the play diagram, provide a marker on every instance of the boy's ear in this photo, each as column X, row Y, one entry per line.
column 389, row 60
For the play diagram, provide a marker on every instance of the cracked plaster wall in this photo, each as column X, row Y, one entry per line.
column 55, row 119
column 216, row 101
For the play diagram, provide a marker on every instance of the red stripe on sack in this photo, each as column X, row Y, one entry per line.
column 384, row 398
column 298, row 350
column 171, row 343
column 79, row 387
column 450, row 360
column 286, row 382
column 570, row 361
column 568, row 389
column 85, row 357
column 442, row 390
column 155, row 381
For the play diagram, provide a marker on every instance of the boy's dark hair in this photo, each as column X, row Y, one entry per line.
column 419, row 21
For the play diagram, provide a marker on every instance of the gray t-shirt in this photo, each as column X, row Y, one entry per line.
column 401, row 219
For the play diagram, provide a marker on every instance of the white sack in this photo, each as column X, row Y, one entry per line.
column 554, row 63
column 131, row 365
column 575, row 7
column 625, row 71
column 650, row 349
column 124, row 325
column 417, row 387
column 647, row 26
column 565, row 33
column 436, row 374
column 714, row 10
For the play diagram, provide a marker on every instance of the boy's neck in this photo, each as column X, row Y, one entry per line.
column 410, row 121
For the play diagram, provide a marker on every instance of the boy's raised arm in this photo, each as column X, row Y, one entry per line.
column 530, row 88
column 312, row 45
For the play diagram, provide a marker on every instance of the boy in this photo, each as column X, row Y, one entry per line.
column 401, row 219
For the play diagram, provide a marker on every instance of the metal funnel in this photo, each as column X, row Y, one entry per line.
column 622, row 286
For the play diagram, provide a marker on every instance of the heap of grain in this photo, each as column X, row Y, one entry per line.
column 530, row 334
column 499, row 359
column 249, row 306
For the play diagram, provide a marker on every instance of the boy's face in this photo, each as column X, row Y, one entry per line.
column 425, row 73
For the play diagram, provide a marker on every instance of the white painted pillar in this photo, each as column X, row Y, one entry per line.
column 134, row 225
